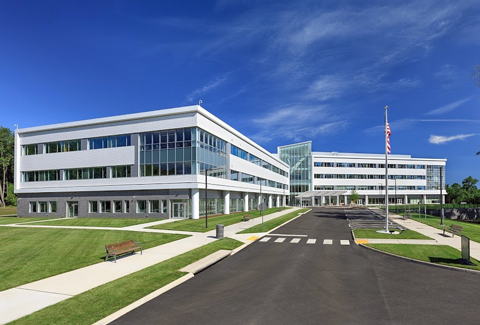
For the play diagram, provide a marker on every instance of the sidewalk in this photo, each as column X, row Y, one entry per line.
column 26, row 299
column 434, row 233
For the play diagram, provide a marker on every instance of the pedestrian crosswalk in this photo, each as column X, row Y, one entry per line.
column 309, row 241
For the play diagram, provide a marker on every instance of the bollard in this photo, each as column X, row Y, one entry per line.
column 219, row 231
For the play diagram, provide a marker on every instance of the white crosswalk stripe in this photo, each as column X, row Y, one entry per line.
column 344, row 242
column 311, row 241
column 265, row 239
column 295, row 240
column 327, row 242
column 280, row 240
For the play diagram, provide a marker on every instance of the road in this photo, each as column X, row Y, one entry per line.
column 321, row 282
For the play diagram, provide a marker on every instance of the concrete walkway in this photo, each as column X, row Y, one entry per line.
column 434, row 233
column 26, row 299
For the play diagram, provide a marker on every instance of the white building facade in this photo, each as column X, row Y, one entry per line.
column 141, row 165
column 329, row 178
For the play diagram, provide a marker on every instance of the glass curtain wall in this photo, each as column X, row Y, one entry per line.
column 299, row 157
column 433, row 177
column 182, row 152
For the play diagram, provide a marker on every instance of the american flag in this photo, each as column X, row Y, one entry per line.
column 388, row 138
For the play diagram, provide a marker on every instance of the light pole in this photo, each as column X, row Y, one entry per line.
column 206, row 200
column 441, row 196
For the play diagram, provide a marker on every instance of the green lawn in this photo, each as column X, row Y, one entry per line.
column 30, row 254
column 198, row 225
column 372, row 233
column 269, row 225
column 94, row 305
column 97, row 222
column 439, row 254
column 471, row 230
column 11, row 220
column 8, row 211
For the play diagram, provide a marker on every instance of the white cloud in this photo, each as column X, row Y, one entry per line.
column 440, row 139
column 448, row 107
column 327, row 87
column 194, row 95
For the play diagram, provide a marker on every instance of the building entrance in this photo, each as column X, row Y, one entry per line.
column 179, row 210
column 72, row 209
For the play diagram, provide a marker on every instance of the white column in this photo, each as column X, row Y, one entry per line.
column 405, row 199
column 366, row 199
column 323, row 200
column 345, row 200
column 226, row 202
column 195, row 203
column 284, row 200
column 259, row 201
column 245, row 202
column 278, row 201
column 424, row 199
column 270, row 201
column 338, row 200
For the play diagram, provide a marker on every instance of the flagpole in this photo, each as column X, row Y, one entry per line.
column 386, row 171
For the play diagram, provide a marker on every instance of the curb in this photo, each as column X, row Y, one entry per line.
column 453, row 268
column 110, row 318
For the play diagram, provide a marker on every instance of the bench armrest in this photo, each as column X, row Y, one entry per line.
column 137, row 243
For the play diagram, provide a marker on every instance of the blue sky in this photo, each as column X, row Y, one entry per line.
column 278, row 71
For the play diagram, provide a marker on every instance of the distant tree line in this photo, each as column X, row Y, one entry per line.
column 7, row 196
column 466, row 192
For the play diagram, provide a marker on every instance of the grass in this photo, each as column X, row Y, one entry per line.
column 438, row 254
column 97, row 222
column 198, row 225
column 94, row 305
column 30, row 254
column 12, row 220
column 471, row 230
column 8, row 211
column 269, row 225
column 372, row 233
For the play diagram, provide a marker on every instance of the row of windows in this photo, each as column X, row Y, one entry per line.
column 365, row 165
column 42, row 207
column 255, row 160
column 76, row 145
column 110, row 142
column 247, row 178
column 76, row 173
column 365, row 188
column 363, row 176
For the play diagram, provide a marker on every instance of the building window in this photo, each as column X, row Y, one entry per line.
column 164, row 206
column 246, row 178
column 141, row 206
column 121, row 171
column 117, row 207
column 52, row 206
column 110, row 142
column 93, row 206
column 127, row 206
column 42, row 207
column 30, row 149
column 106, row 206
column 41, row 176
column 33, row 207
column 154, row 206
column 63, row 146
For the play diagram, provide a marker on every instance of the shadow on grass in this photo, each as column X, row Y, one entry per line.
column 457, row 261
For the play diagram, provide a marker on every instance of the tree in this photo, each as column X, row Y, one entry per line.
column 354, row 196
column 466, row 192
column 6, row 160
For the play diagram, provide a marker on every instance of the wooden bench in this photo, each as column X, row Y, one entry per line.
column 246, row 217
column 128, row 246
column 453, row 229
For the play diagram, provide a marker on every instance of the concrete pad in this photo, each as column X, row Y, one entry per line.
column 205, row 262
column 17, row 303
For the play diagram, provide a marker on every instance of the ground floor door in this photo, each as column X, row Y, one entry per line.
column 72, row 209
column 179, row 210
